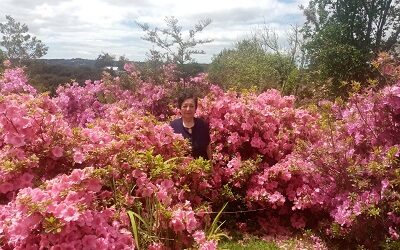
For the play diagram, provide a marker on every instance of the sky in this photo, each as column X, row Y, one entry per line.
column 87, row 28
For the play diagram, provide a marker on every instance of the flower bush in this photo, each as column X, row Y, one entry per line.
column 98, row 167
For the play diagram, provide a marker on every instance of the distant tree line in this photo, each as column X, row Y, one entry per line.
column 321, row 58
column 47, row 77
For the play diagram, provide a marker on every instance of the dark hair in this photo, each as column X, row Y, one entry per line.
column 186, row 94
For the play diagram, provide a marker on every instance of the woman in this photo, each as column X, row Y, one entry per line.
column 194, row 129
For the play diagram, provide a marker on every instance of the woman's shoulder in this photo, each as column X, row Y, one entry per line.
column 176, row 122
column 201, row 121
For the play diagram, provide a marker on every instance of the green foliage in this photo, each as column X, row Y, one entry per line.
column 105, row 60
column 145, row 222
column 214, row 232
column 47, row 77
column 2, row 59
column 2, row 56
column 252, row 244
column 52, row 224
column 191, row 69
column 343, row 36
column 133, row 217
column 152, row 69
column 337, row 60
column 121, row 62
column 304, row 85
column 147, row 215
column 248, row 65
column 197, row 165
column 18, row 43
column 391, row 245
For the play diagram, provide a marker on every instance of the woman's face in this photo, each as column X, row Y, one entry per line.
column 188, row 108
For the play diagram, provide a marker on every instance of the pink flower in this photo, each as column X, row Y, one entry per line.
column 393, row 234
column 385, row 184
column 162, row 196
column 93, row 185
column 77, row 175
column 182, row 219
column 22, row 122
column 148, row 190
column 276, row 198
column 66, row 212
column 342, row 214
column 166, row 184
column 5, row 187
column 129, row 67
column 156, row 246
column 25, row 180
column 297, row 221
column 57, row 151
column 199, row 236
column 246, row 126
column 257, row 142
column 235, row 163
column 78, row 156
column 14, row 139
column 89, row 242
column 177, row 224
column 191, row 222
column 233, row 138
column 208, row 245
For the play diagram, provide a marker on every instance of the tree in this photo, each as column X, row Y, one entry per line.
column 47, row 76
column 292, row 48
column 105, row 60
column 2, row 56
column 263, row 61
column 152, row 68
column 342, row 36
column 2, row 59
column 122, row 61
column 174, row 46
column 249, row 65
column 19, row 45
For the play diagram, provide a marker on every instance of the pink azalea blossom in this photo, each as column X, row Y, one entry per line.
column 393, row 234
column 208, row 245
column 57, row 151
column 78, row 156
column 15, row 139
column 199, row 236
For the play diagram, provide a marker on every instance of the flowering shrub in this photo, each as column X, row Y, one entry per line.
column 64, row 214
column 98, row 167
column 81, row 105
column 335, row 164
column 15, row 81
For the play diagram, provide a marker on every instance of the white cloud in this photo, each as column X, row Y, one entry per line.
column 76, row 28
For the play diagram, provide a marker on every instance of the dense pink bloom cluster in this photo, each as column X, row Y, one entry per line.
column 15, row 81
column 336, row 162
column 250, row 125
column 33, row 139
column 81, row 105
column 72, row 166
column 64, row 214
column 336, row 165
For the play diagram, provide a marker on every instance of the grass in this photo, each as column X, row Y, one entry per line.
column 252, row 244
